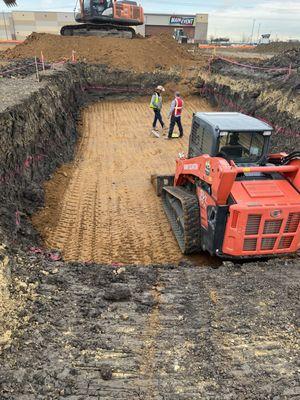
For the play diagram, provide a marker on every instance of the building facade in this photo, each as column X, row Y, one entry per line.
column 17, row 25
column 194, row 26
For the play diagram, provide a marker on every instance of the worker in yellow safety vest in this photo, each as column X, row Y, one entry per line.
column 156, row 105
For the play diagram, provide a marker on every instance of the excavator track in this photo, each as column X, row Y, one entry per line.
column 101, row 30
column 183, row 212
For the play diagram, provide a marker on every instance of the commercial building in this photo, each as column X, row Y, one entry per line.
column 194, row 26
column 17, row 25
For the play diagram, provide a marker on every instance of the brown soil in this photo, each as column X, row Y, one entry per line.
column 103, row 208
column 5, row 46
column 137, row 54
column 276, row 47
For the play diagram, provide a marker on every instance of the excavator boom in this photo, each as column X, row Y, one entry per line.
column 10, row 3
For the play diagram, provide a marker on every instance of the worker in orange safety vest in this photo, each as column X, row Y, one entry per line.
column 175, row 115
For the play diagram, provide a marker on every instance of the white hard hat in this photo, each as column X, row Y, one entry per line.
column 159, row 87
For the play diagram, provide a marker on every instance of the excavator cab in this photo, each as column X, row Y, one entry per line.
column 95, row 8
column 233, row 136
column 125, row 12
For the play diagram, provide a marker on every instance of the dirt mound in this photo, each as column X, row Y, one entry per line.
column 290, row 57
column 138, row 54
column 276, row 47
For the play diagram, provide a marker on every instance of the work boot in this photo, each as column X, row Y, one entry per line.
column 155, row 132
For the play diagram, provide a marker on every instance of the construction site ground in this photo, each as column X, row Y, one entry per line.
column 154, row 332
column 121, row 314
column 103, row 207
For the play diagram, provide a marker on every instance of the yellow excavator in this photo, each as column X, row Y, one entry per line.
column 103, row 18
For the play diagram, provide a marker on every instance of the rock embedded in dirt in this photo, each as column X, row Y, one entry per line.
column 106, row 372
column 117, row 292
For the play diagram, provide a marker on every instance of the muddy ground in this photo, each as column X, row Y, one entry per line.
column 156, row 332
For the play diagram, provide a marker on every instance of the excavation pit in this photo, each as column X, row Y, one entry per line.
column 102, row 207
column 86, row 330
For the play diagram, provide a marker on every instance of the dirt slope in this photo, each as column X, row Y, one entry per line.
column 109, row 212
column 276, row 47
column 138, row 54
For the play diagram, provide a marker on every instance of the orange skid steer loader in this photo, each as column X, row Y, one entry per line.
column 230, row 197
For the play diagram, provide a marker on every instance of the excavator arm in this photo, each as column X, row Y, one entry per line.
column 10, row 3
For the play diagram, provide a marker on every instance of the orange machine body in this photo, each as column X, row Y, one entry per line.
column 127, row 13
column 262, row 217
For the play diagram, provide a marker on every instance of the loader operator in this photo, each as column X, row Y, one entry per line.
column 234, row 147
column 156, row 105
column 175, row 115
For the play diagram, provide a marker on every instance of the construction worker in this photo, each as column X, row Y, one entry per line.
column 156, row 105
column 175, row 115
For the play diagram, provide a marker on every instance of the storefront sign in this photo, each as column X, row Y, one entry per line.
column 174, row 20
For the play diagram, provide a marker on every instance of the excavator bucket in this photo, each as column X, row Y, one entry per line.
column 160, row 181
column 10, row 3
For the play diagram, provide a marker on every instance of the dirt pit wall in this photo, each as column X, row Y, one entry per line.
column 271, row 96
column 38, row 123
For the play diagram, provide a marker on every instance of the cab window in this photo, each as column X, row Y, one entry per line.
column 244, row 147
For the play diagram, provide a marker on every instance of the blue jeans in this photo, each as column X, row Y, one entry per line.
column 157, row 117
column 177, row 121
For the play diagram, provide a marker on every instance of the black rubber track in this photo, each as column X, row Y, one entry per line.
column 70, row 30
column 183, row 212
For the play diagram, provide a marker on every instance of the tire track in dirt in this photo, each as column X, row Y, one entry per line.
column 109, row 211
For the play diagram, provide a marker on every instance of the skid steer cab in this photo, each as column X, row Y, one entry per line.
column 230, row 197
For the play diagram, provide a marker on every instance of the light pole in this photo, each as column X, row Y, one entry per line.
column 252, row 30
column 5, row 27
column 258, row 32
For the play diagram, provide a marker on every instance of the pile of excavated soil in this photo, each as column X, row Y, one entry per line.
column 290, row 57
column 137, row 54
column 276, row 47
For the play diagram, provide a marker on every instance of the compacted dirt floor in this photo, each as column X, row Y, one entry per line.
column 106, row 209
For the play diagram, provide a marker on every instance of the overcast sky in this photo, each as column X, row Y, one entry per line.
column 231, row 18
